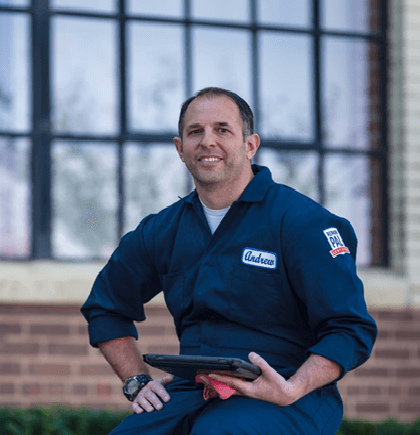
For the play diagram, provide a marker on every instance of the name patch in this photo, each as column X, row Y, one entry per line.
column 256, row 257
column 336, row 242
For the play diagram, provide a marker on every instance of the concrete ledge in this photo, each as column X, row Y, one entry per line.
column 59, row 282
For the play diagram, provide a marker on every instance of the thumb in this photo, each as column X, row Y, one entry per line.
column 260, row 362
column 167, row 378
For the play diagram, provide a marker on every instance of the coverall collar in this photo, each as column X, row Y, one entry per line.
column 254, row 192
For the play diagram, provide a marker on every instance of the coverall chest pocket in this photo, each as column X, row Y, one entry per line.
column 173, row 290
column 255, row 297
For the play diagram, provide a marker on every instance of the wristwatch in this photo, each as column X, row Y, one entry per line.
column 132, row 386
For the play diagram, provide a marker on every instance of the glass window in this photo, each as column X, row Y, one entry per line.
column 84, row 199
column 349, row 194
column 83, row 5
column 351, row 93
column 15, row 81
column 84, row 75
column 15, row 2
column 222, row 58
column 171, row 8
column 230, row 10
column 148, row 188
column 156, row 85
column 350, row 15
column 286, row 86
column 285, row 12
column 295, row 169
column 14, row 198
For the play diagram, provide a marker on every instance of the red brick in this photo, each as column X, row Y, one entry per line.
column 7, row 389
column 385, row 335
column 104, row 390
column 392, row 353
column 56, row 389
column 80, row 389
column 352, row 390
column 371, row 372
column 82, row 330
column 10, row 328
column 19, row 348
column 9, row 369
column 414, row 391
column 400, row 315
column 50, row 369
column 408, row 373
column 50, row 329
column 374, row 391
column 409, row 407
column 413, row 335
column 163, row 348
column 96, row 370
column 31, row 389
column 68, row 349
column 366, row 408
column 151, row 330
column 41, row 309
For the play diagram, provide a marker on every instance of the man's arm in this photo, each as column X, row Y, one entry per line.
column 124, row 357
column 316, row 372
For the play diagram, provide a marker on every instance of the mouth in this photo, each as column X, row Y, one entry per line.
column 209, row 159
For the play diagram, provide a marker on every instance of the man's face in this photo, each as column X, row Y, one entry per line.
column 213, row 147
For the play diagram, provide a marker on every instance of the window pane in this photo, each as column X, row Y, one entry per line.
column 351, row 94
column 15, row 2
column 172, row 8
column 156, row 81
column 285, row 12
column 222, row 58
column 83, row 5
column 14, row 198
column 230, row 10
column 349, row 194
column 351, row 15
column 15, row 112
column 286, row 86
column 154, row 178
column 84, row 199
column 84, row 73
column 295, row 169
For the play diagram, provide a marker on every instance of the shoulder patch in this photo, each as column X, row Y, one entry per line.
column 336, row 242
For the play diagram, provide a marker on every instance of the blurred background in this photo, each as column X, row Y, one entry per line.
column 90, row 92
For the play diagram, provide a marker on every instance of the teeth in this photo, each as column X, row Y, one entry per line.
column 210, row 159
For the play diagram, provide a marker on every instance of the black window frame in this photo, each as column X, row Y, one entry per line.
column 42, row 134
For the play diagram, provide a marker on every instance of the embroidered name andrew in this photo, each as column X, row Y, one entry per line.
column 256, row 257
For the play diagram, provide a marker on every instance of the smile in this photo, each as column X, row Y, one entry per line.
column 209, row 159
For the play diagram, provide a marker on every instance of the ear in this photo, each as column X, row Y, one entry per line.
column 178, row 146
column 252, row 142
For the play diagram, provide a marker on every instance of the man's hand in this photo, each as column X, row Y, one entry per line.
column 151, row 395
column 269, row 386
column 272, row 387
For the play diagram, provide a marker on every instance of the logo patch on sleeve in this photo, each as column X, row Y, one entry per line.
column 336, row 242
column 256, row 257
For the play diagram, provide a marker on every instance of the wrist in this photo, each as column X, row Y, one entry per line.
column 133, row 385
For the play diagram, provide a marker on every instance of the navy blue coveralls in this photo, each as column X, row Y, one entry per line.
column 277, row 277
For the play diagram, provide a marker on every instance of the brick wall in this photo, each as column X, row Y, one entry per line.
column 45, row 358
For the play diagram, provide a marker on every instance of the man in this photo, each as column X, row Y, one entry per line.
column 246, row 266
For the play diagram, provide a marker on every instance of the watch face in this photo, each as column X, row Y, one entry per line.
column 132, row 386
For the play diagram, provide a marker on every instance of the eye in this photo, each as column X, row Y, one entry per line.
column 194, row 131
column 223, row 130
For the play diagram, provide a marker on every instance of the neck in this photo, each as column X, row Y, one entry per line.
column 216, row 197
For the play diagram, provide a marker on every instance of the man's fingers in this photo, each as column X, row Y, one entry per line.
column 166, row 379
column 159, row 389
column 260, row 362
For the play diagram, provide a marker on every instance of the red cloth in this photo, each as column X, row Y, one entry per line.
column 224, row 390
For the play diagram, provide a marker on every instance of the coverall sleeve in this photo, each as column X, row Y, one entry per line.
column 128, row 280
column 330, row 290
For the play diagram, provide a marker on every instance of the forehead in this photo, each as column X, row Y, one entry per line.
column 209, row 109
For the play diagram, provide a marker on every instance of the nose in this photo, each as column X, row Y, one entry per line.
column 208, row 138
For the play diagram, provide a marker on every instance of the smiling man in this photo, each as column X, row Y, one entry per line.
column 249, row 269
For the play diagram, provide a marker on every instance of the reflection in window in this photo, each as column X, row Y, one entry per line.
column 14, row 198
column 83, row 5
column 350, row 15
column 84, row 75
column 169, row 8
column 148, row 187
column 155, row 78
column 348, row 194
column 348, row 101
column 286, row 86
column 285, row 12
column 229, row 10
column 222, row 58
column 15, row 80
column 293, row 168
column 84, row 199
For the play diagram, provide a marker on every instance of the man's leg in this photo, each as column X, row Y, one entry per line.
column 176, row 417
column 317, row 413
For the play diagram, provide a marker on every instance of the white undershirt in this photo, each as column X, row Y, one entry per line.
column 214, row 217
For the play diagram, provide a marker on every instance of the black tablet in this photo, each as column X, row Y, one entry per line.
column 188, row 366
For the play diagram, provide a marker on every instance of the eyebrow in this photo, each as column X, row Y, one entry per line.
column 218, row 124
